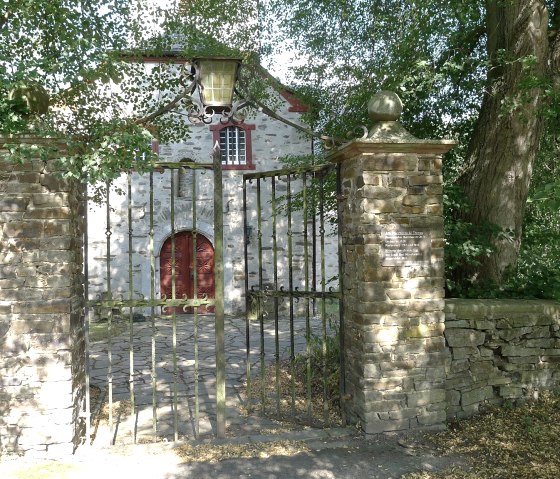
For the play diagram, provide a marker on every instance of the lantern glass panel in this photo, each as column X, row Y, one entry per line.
column 217, row 80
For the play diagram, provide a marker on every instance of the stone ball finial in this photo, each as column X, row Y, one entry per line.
column 385, row 106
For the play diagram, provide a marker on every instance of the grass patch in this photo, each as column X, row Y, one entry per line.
column 308, row 387
column 504, row 442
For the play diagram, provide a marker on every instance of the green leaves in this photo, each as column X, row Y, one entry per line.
column 51, row 41
column 548, row 195
column 89, row 57
column 13, row 113
column 431, row 52
column 466, row 245
column 119, row 145
column 53, row 49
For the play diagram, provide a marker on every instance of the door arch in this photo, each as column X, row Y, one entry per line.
column 184, row 270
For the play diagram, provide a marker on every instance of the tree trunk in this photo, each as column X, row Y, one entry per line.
column 509, row 128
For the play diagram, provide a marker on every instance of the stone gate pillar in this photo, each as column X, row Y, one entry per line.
column 42, row 355
column 392, row 234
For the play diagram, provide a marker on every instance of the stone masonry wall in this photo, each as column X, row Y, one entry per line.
column 394, row 344
column 499, row 350
column 42, row 361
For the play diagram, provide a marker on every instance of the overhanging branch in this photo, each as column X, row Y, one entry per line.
column 308, row 131
column 166, row 108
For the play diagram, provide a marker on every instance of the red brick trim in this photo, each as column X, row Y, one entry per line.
column 295, row 105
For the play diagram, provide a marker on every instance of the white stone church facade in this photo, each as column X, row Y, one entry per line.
column 254, row 145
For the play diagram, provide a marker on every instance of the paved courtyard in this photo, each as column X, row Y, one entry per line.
column 139, row 425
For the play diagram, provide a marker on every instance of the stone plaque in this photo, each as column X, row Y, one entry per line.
column 405, row 246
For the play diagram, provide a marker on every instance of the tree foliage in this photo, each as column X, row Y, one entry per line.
column 105, row 102
column 430, row 52
column 485, row 73
column 482, row 72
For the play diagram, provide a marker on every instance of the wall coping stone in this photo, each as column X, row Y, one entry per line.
column 500, row 307
column 355, row 148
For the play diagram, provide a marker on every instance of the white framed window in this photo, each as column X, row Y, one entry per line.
column 235, row 145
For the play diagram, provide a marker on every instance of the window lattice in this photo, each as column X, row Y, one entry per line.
column 233, row 146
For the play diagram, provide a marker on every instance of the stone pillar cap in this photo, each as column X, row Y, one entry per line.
column 385, row 106
column 387, row 135
column 384, row 109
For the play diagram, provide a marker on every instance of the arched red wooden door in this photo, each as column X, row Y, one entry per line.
column 184, row 274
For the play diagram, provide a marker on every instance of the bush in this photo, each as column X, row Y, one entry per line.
column 537, row 273
column 465, row 246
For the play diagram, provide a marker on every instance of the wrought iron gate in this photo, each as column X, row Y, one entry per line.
column 294, row 328
column 132, row 311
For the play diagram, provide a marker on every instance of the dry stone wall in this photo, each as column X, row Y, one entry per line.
column 42, row 360
column 499, row 350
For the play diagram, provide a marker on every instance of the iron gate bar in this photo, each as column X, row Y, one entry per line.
column 291, row 288
column 130, row 296
column 307, row 304
column 109, row 316
column 341, row 329
column 322, row 295
column 137, row 303
column 248, row 304
column 323, row 287
column 195, row 310
column 292, row 171
column 276, row 305
column 314, row 251
column 86, row 322
column 174, row 312
column 219, row 288
column 312, row 201
column 259, row 310
column 152, row 307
